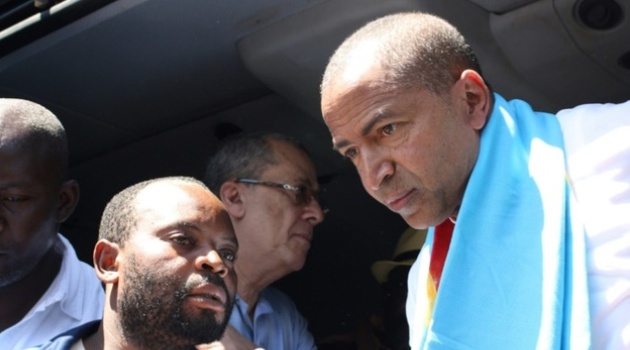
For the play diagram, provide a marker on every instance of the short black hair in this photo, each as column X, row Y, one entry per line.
column 119, row 217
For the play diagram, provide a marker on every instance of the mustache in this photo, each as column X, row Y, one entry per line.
column 203, row 280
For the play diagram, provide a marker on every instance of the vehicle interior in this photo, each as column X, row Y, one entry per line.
column 149, row 88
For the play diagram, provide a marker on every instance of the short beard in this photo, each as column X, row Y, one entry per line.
column 151, row 314
column 16, row 272
column 18, row 268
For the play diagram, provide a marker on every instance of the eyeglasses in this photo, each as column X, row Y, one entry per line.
column 303, row 194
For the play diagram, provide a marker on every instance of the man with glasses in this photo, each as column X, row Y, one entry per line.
column 268, row 185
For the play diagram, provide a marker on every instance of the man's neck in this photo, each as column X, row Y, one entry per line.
column 248, row 290
column 254, row 275
column 95, row 340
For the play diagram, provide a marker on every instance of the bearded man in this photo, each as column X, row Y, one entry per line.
column 166, row 255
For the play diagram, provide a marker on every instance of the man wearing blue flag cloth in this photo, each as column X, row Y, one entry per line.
column 528, row 212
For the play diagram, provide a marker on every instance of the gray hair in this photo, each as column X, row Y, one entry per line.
column 415, row 50
column 244, row 156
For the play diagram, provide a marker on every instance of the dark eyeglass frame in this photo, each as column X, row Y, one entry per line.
column 303, row 194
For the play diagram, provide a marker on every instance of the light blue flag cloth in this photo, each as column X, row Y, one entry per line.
column 515, row 274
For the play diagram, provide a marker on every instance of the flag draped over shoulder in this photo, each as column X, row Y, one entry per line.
column 515, row 273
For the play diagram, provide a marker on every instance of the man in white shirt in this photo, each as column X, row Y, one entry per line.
column 44, row 288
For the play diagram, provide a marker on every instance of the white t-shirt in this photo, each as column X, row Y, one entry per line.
column 597, row 144
column 75, row 297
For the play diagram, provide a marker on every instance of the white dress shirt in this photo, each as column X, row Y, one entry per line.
column 76, row 296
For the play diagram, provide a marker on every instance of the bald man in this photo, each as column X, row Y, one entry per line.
column 44, row 288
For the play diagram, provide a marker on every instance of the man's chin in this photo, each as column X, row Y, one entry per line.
column 203, row 330
column 417, row 221
column 206, row 324
column 204, row 316
column 411, row 219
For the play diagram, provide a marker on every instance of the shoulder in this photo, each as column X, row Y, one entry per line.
column 67, row 339
column 593, row 109
column 596, row 126
column 276, row 297
column 75, row 271
column 288, row 317
column 594, row 118
column 281, row 305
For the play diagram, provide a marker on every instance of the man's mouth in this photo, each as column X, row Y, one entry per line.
column 305, row 236
column 208, row 296
column 399, row 201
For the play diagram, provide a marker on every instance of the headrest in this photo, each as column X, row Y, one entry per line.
column 405, row 253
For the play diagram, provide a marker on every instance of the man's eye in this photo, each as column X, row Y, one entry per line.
column 14, row 199
column 389, row 129
column 350, row 153
column 228, row 255
column 305, row 195
column 183, row 240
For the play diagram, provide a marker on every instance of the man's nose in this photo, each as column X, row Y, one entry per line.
column 211, row 261
column 313, row 212
column 374, row 169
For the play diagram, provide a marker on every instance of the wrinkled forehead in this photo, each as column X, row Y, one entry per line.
column 347, row 106
column 353, row 87
column 178, row 204
column 292, row 162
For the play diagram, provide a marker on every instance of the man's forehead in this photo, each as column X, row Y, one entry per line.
column 361, row 60
column 158, row 190
column 293, row 162
column 13, row 130
column 164, row 204
column 363, row 75
column 166, row 195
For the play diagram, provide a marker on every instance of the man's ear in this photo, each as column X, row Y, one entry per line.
column 477, row 96
column 68, row 199
column 106, row 261
column 232, row 196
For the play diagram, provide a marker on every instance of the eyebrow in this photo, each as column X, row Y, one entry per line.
column 185, row 224
column 366, row 129
column 304, row 181
column 13, row 185
column 223, row 239
column 231, row 238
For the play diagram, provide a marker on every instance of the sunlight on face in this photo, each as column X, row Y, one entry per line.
column 413, row 150
column 361, row 61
